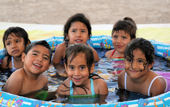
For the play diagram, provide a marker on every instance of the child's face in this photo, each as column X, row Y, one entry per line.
column 77, row 70
column 137, row 66
column 120, row 40
column 78, row 33
column 14, row 45
column 37, row 60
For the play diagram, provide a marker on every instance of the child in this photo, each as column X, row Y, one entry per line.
column 138, row 77
column 76, row 30
column 15, row 40
column 122, row 33
column 29, row 80
column 79, row 65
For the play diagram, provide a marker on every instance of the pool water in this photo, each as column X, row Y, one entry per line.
column 106, row 69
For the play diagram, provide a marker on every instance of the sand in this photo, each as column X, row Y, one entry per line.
column 98, row 11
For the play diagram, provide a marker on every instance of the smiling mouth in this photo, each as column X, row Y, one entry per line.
column 78, row 41
column 37, row 66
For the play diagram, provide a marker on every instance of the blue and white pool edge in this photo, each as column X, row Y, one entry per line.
column 10, row 100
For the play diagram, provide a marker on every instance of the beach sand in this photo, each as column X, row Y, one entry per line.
column 98, row 11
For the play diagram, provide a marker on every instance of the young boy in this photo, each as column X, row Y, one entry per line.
column 29, row 80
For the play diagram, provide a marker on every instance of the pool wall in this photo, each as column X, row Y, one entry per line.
column 101, row 41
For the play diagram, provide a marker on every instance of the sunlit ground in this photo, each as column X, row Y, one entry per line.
column 158, row 34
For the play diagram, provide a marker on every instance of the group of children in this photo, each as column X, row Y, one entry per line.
column 75, row 59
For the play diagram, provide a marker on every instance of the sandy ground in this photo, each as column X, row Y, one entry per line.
column 98, row 11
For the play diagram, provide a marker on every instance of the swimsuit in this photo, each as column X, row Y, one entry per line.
column 85, row 99
column 91, row 84
column 125, row 79
column 13, row 66
column 113, row 54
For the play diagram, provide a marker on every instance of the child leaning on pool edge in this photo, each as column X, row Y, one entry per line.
column 29, row 81
column 79, row 65
column 138, row 76
column 15, row 40
column 122, row 33
column 76, row 30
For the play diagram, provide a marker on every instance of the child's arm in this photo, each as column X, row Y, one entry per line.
column 121, row 80
column 14, row 83
column 59, row 53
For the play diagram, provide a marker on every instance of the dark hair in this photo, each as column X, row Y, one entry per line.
column 144, row 45
column 19, row 32
column 128, row 25
column 77, row 17
column 42, row 43
column 75, row 49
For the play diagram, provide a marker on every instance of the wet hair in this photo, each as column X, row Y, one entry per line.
column 144, row 45
column 41, row 43
column 19, row 32
column 128, row 25
column 73, row 50
column 79, row 17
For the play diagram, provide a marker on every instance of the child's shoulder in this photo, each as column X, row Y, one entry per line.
column 100, row 86
column 159, row 83
column 108, row 53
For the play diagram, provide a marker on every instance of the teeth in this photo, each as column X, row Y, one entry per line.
column 38, row 65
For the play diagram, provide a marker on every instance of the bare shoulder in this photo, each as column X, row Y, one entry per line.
column 15, row 82
column 121, row 77
column 108, row 53
column 158, row 86
column 100, row 86
column 64, row 88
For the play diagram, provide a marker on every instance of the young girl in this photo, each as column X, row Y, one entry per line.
column 76, row 30
column 28, row 81
column 138, row 77
column 15, row 40
column 79, row 65
column 122, row 33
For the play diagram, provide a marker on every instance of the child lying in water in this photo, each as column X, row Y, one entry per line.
column 29, row 80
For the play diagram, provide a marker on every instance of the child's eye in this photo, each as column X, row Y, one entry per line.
column 129, row 59
column 74, row 30
column 8, row 43
column 34, row 54
column 71, row 67
column 124, row 37
column 46, row 58
column 82, row 67
column 115, row 36
column 83, row 31
column 17, row 41
column 141, row 61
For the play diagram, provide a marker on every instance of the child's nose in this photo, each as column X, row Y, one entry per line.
column 134, row 65
column 78, row 33
column 76, row 72
column 40, row 58
column 13, row 45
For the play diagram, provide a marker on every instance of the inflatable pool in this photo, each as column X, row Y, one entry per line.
column 102, row 42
